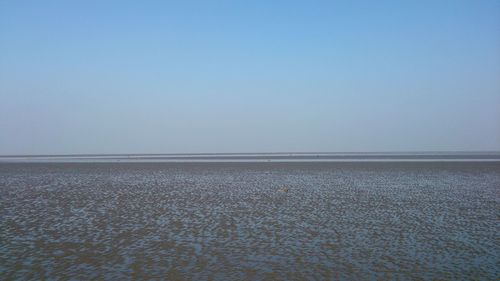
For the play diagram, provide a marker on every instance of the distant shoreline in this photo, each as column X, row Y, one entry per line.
column 261, row 153
column 265, row 157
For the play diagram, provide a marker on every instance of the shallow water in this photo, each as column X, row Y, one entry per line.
column 232, row 221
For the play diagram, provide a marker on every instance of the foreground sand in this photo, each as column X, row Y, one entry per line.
column 250, row 221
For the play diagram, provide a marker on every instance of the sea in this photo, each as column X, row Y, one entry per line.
column 269, row 216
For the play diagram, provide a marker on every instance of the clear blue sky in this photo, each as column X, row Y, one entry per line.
column 248, row 76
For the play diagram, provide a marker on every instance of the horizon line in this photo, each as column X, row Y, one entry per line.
column 411, row 152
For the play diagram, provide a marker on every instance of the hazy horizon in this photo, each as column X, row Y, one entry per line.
column 310, row 153
column 88, row 77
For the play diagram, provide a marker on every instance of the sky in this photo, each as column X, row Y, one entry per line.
column 249, row 76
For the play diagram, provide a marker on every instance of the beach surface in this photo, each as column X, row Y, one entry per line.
column 250, row 221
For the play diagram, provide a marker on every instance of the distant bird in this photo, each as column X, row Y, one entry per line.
column 283, row 189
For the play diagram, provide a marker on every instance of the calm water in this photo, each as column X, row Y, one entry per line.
column 232, row 221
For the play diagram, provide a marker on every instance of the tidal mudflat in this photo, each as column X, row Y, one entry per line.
column 250, row 221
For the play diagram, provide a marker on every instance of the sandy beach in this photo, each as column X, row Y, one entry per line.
column 249, row 221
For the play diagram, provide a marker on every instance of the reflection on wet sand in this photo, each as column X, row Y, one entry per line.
column 249, row 221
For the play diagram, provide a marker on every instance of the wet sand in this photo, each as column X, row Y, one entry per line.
column 250, row 221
